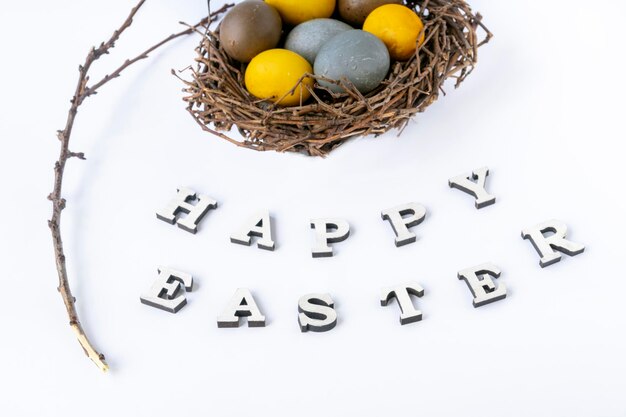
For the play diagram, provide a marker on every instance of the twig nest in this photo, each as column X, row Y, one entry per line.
column 443, row 43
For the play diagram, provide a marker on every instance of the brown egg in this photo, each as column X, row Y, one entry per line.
column 355, row 11
column 250, row 28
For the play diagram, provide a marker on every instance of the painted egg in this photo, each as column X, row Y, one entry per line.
column 250, row 28
column 356, row 11
column 399, row 27
column 278, row 75
column 307, row 38
column 357, row 56
column 295, row 12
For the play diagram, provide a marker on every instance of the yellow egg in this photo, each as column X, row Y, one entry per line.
column 398, row 27
column 297, row 11
column 272, row 74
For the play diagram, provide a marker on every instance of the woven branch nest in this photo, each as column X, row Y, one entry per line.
column 218, row 100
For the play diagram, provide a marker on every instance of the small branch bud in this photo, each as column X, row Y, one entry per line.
column 79, row 155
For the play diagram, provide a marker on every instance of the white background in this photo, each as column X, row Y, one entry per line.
column 544, row 110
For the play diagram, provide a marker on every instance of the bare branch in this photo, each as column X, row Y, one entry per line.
column 81, row 92
column 203, row 23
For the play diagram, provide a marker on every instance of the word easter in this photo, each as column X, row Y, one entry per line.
column 316, row 311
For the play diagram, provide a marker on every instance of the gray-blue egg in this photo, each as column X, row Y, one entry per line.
column 355, row 55
column 307, row 38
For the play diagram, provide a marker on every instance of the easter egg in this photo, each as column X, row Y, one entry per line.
column 355, row 55
column 250, row 28
column 398, row 27
column 355, row 11
column 295, row 12
column 307, row 38
column 274, row 73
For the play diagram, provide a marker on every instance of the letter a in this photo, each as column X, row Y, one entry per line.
column 241, row 305
column 260, row 225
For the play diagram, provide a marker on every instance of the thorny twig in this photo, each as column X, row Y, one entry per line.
column 83, row 90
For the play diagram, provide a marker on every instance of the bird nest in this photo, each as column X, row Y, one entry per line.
column 219, row 101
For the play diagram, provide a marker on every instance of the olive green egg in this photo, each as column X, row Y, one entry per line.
column 356, row 11
column 250, row 28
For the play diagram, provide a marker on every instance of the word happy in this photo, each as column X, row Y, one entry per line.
column 316, row 311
